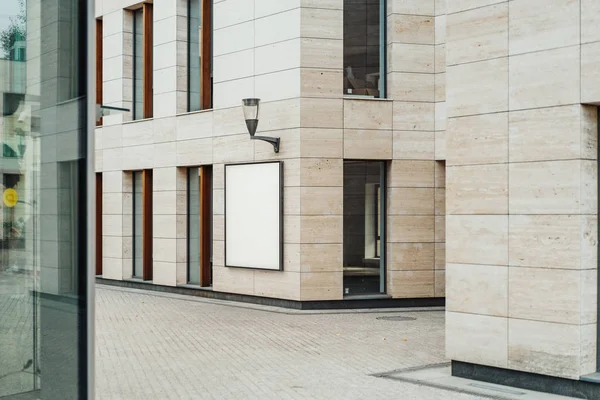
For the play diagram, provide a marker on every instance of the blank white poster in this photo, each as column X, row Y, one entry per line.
column 253, row 215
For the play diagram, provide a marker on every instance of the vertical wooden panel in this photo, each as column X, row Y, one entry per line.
column 147, row 234
column 206, row 55
column 99, row 76
column 99, row 232
column 148, row 63
column 205, row 224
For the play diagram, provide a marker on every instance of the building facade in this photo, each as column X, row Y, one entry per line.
column 401, row 123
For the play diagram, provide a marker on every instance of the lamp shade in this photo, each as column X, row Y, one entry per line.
column 251, row 108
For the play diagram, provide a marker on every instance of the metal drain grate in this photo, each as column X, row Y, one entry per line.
column 396, row 318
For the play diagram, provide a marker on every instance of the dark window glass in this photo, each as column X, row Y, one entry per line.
column 364, row 227
column 364, row 46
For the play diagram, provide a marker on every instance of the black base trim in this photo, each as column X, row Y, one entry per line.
column 526, row 380
column 291, row 304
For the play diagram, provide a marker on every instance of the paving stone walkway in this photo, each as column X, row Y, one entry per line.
column 160, row 346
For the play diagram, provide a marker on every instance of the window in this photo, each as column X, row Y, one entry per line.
column 364, row 48
column 142, row 62
column 99, row 64
column 199, row 189
column 142, row 224
column 99, row 232
column 199, row 55
column 364, row 227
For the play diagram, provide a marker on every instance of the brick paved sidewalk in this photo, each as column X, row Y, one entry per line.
column 159, row 346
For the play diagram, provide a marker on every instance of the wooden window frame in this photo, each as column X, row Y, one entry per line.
column 206, row 56
column 99, row 231
column 99, row 65
column 205, row 225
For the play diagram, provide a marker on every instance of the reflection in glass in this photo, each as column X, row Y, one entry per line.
column 138, row 266
column 194, row 18
column 138, row 64
column 363, row 227
column 363, row 47
column 43, row 291
column 194, row 225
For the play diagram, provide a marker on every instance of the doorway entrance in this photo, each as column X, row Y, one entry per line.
column 364, row 227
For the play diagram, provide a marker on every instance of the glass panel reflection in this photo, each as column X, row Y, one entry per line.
column 138, row 244
column 42, row 186
column 194, row 225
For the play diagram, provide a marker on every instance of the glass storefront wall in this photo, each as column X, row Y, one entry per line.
column 43, row 167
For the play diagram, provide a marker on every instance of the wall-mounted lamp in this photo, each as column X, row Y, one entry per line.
column 251, row 108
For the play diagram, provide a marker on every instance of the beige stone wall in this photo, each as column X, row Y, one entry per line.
column 522, row 185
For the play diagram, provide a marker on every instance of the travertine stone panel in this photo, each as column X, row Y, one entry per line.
column 237, row 280
column 553, row 241
column 440, row 145
column 411, row 86
column 477, row 239
column 410, row 256
column 367, row 114
column 552, row 187
column 545, row 78
column 283, row 285
column 411, row 229
column 478, row 139
column 325, row 113
column 544, row 348
column 477, row 189
column 556, row 298
column 421, row 58
column 322, row 23
column 440, row 229
column 440, row 201
column 440, row 256
column 588, row 344
column 440, row 174
column 478, row 87
column 544, row 134
column 332, row 4
column 539, row 25
column 410, row 201
column 590, row 19
column 411, row 284
column 413, row 116
column 440, row 283
column 321, row 53
column 590, row 76
column 483, row 339
column 477, row 34
column 322, row 143
column 165, row 130
column 368, row 144
column 321, row 229
column 477, row 289
column 321, row 257
column 321, row 200
column 321, row 82
column 164, row 273
column 454, row 6
column 321, row 286
column 411, row 7
column 321, row 172
column 414, row 29
column 409, row 173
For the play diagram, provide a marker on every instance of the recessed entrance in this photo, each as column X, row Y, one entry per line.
column 364, row 227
